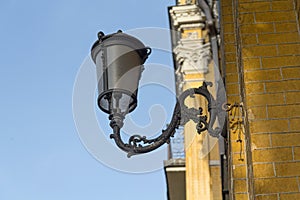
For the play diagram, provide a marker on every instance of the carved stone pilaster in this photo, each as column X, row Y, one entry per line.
column 193, row 55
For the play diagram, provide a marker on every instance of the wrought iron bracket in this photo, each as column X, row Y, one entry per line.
column 138, row 144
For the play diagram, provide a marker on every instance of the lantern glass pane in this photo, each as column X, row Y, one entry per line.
column 123, row 68
column 118, row 76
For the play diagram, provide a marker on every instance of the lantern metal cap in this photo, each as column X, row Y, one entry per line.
column 119, row 38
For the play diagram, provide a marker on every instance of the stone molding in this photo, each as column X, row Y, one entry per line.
column 186, row 14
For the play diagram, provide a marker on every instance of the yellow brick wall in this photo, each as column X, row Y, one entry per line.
column 262, row 57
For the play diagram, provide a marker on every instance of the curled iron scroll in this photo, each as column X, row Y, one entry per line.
column 138, row 144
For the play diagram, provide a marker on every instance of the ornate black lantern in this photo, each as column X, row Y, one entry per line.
column 119, row 59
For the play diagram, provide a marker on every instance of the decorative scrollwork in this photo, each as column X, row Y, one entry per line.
column 182, row 114
column 136, row 140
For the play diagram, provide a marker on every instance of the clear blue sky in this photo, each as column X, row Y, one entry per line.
column 42, row 45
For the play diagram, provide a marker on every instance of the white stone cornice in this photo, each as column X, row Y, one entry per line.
column 186, row 14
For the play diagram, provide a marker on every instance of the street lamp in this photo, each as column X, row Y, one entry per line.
column 119, row 60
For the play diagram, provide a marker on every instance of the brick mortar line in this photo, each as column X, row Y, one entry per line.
column 278, row 81
column 270, row 149
column 280, row 147
column 264, row 163
column 296, row 176
column 276, row 177
column 274, row 56
column 272, row 105
column 280, row 44
column 258, row 133
column 275, row 81
column 268, row 69
column 286, row 104
column 274, row 168
column 293, row 153
column 282, row 132
column 285, row 162
column 267, row 111
column 270, row 139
